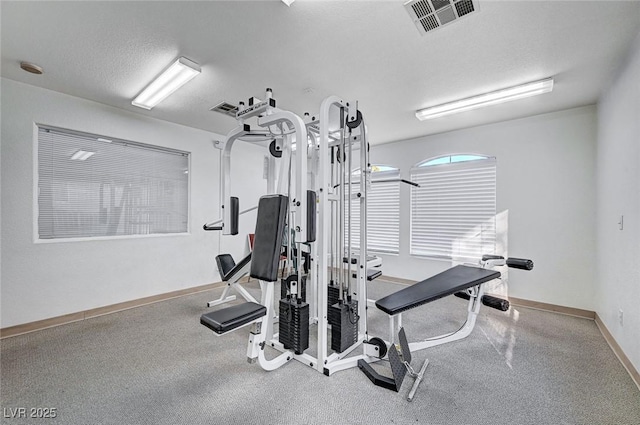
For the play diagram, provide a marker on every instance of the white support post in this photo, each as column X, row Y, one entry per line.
column 271, row 175
column 364, row 251
column 325, row 191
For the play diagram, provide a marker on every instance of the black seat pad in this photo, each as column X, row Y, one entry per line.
column 446, row 283
column 230, row 318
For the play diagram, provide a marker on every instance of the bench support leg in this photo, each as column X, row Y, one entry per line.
column 263, row 334
column 224, row 298
column 472, row 314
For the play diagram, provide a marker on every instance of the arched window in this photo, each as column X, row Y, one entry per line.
column 453, row 211
column 383, row 210
column 450, row 159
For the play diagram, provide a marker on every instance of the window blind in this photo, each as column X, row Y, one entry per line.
column 383, row 215
column 453, row 211
column 121, row 188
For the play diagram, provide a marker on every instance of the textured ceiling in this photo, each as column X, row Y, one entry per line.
column 368, row 51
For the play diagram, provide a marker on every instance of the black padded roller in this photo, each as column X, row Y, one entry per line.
column 495, row 302
column 463, row 295
column 488, row 300
column 520, row 263
column 487, row 257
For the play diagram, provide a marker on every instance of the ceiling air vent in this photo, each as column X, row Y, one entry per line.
column 428, row 15
column 225, row 108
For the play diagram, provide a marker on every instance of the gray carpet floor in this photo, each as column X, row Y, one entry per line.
column 157, row 365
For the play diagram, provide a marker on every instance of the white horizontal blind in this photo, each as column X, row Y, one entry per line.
column 453, row 211
column 124, row 188
column 383, row 217
column 383, row 214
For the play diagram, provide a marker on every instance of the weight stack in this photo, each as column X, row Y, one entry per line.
column 343, row 318
column 333, row 295
column 294, row 325
column 302, row 291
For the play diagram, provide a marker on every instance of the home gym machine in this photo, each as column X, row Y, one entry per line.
column 324, row 293
column 323, row 288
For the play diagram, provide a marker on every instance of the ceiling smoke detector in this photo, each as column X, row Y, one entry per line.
column 31, row 67
column 226, row 109
column 428, row 15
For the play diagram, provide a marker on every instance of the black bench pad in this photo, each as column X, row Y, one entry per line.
column 230, row 318
column 446, row 283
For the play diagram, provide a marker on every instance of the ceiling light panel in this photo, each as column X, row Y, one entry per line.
column 486, row 99
column 428, row 15
column 175, row 76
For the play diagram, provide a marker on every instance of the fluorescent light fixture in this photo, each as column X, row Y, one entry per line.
column 82, row 155
column 174, row 77
column 288, row 2
column 492, row 98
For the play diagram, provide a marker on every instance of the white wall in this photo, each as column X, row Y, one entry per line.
column 44, row 280
column 546, row 181
column 618, row 183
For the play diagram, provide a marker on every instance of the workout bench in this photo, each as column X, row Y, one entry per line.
column 463, row 281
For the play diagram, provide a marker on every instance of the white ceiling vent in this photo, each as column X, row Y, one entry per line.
column 431, row 14
column 225, row 108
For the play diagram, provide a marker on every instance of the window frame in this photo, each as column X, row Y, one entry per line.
column 36, row 188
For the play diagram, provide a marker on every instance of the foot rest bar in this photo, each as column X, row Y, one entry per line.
column 418, row 379
column 230, row 318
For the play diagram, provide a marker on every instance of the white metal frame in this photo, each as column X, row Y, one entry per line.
column 288, row 128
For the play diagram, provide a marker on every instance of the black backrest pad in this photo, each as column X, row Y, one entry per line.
column 272, row 212
column 236, row 269
column 225, row 265
column 235, row 215
column 446, row 283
